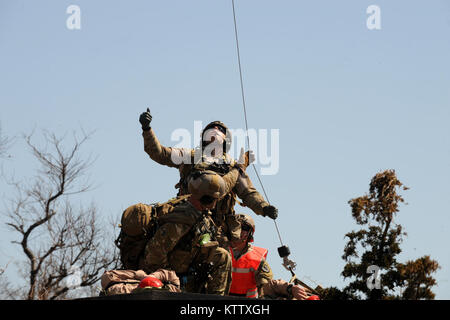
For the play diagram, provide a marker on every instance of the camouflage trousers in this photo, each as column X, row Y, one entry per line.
column 218, row 269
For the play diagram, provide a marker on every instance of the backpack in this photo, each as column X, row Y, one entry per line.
column 138, row 224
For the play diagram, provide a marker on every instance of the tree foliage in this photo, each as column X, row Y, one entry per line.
column 377, row 243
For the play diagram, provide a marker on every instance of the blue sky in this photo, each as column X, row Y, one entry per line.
column 348, row 102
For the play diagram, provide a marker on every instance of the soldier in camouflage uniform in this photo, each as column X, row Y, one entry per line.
column 214, row 136
column 185, row 239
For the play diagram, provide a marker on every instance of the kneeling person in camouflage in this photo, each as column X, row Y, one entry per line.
column 185, row 239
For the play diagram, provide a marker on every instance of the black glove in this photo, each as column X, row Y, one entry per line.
column 145, row 120
column 271, row 212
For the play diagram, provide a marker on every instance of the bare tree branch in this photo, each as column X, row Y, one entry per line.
column 55, row 236
column 5, row 143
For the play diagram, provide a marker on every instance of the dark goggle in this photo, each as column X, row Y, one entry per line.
column 219, row 127
column 206, row 200
column 246, row 227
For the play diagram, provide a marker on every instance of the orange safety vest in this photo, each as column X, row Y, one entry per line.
column 243, row 276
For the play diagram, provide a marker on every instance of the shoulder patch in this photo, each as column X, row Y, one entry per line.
column 265, row 268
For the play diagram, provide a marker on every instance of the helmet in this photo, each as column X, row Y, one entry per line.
column 150, row 282
column 224, row 129
column 248, row 221
column 206, row 186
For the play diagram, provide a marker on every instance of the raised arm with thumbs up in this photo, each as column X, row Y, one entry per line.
column 145, row 119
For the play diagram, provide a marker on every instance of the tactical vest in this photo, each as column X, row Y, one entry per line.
column 225, row 206
column 189, row 256
column 193, row 245
column 244, row 268
column 187, row 169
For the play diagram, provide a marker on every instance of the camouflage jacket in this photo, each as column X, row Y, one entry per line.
column 182, row 237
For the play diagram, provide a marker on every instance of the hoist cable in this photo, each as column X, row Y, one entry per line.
column 245, row 109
